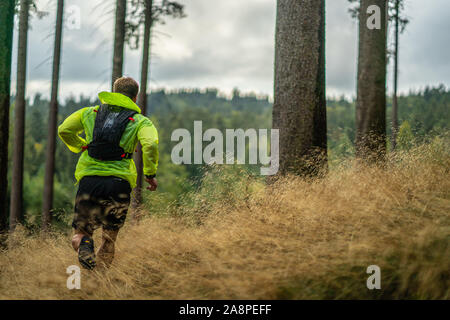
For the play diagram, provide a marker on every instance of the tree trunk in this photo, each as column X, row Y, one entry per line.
column 371, row 92
column 394, row 99
column 142, row 99
column 16, row 211
column 119, row 40
column 6, row 36
column 299, row 109
column 52, row 122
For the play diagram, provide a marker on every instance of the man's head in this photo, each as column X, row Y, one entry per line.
column 126, row 86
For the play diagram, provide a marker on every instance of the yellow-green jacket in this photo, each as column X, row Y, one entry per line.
column 142, row 130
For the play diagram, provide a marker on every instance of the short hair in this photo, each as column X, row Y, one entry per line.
column 126, row 86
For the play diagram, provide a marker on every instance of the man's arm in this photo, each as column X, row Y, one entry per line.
column 69, row 130
column 148, row 137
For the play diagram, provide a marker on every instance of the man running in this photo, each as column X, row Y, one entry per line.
column 105, row 171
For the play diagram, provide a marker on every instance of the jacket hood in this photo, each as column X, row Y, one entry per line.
column 118, row 99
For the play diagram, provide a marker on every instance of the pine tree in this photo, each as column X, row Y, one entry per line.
column 119, row 40
column 299, row 109
column 52, row 121
column 146, row 13
column 371, row 88
column 16, row 207
column 6, row 35
column 400, row 25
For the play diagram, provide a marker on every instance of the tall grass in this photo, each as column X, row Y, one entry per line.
column 237, row 238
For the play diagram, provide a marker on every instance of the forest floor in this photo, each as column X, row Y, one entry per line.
column 237, row 238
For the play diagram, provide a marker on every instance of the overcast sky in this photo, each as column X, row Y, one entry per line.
column 225, row 44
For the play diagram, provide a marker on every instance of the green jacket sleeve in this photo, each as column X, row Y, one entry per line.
column 70, row 129
column 148, row 137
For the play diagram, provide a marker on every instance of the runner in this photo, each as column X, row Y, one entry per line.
column 106, row 171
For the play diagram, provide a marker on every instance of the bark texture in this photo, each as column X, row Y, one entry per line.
column 371, row 88
column 16, row 209
column 119, row 40
column 299, row 109
column 6, row 35
column 142, row 98
column 47, row 202
column 394, row 98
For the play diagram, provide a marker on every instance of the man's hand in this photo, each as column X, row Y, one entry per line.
column 152, row 182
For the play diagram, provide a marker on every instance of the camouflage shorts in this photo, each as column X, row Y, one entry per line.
column 101, row 202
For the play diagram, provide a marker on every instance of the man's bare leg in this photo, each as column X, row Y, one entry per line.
column 76, row 239
column 106, row 251
column 83, row 244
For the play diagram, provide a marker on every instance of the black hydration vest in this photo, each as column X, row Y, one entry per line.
column 108, row 130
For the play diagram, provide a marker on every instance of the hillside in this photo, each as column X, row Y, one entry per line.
column 425, row 113
column 237, row 238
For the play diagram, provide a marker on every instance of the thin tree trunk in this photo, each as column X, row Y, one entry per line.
column 52, row 122
column 16, row 211
column 119, row 40
column 299, row 109
column 371, row 92
column 142, row 99
column 394, row 99
column 6, row 36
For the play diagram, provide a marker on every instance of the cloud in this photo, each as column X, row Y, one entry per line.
column 226, row 44
column 341, row 49
column 424, row 47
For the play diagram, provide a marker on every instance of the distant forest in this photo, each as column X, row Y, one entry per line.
column 421, row 114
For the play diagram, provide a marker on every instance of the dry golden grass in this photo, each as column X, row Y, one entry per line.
column 296, row 239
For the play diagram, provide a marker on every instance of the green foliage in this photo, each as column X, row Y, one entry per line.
column 225, row 186
column 341, row 128
column 405, row 136
column 423, row 114
column 63, row 199
column 428, row 111
column 396, row 7
column 159, row 10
